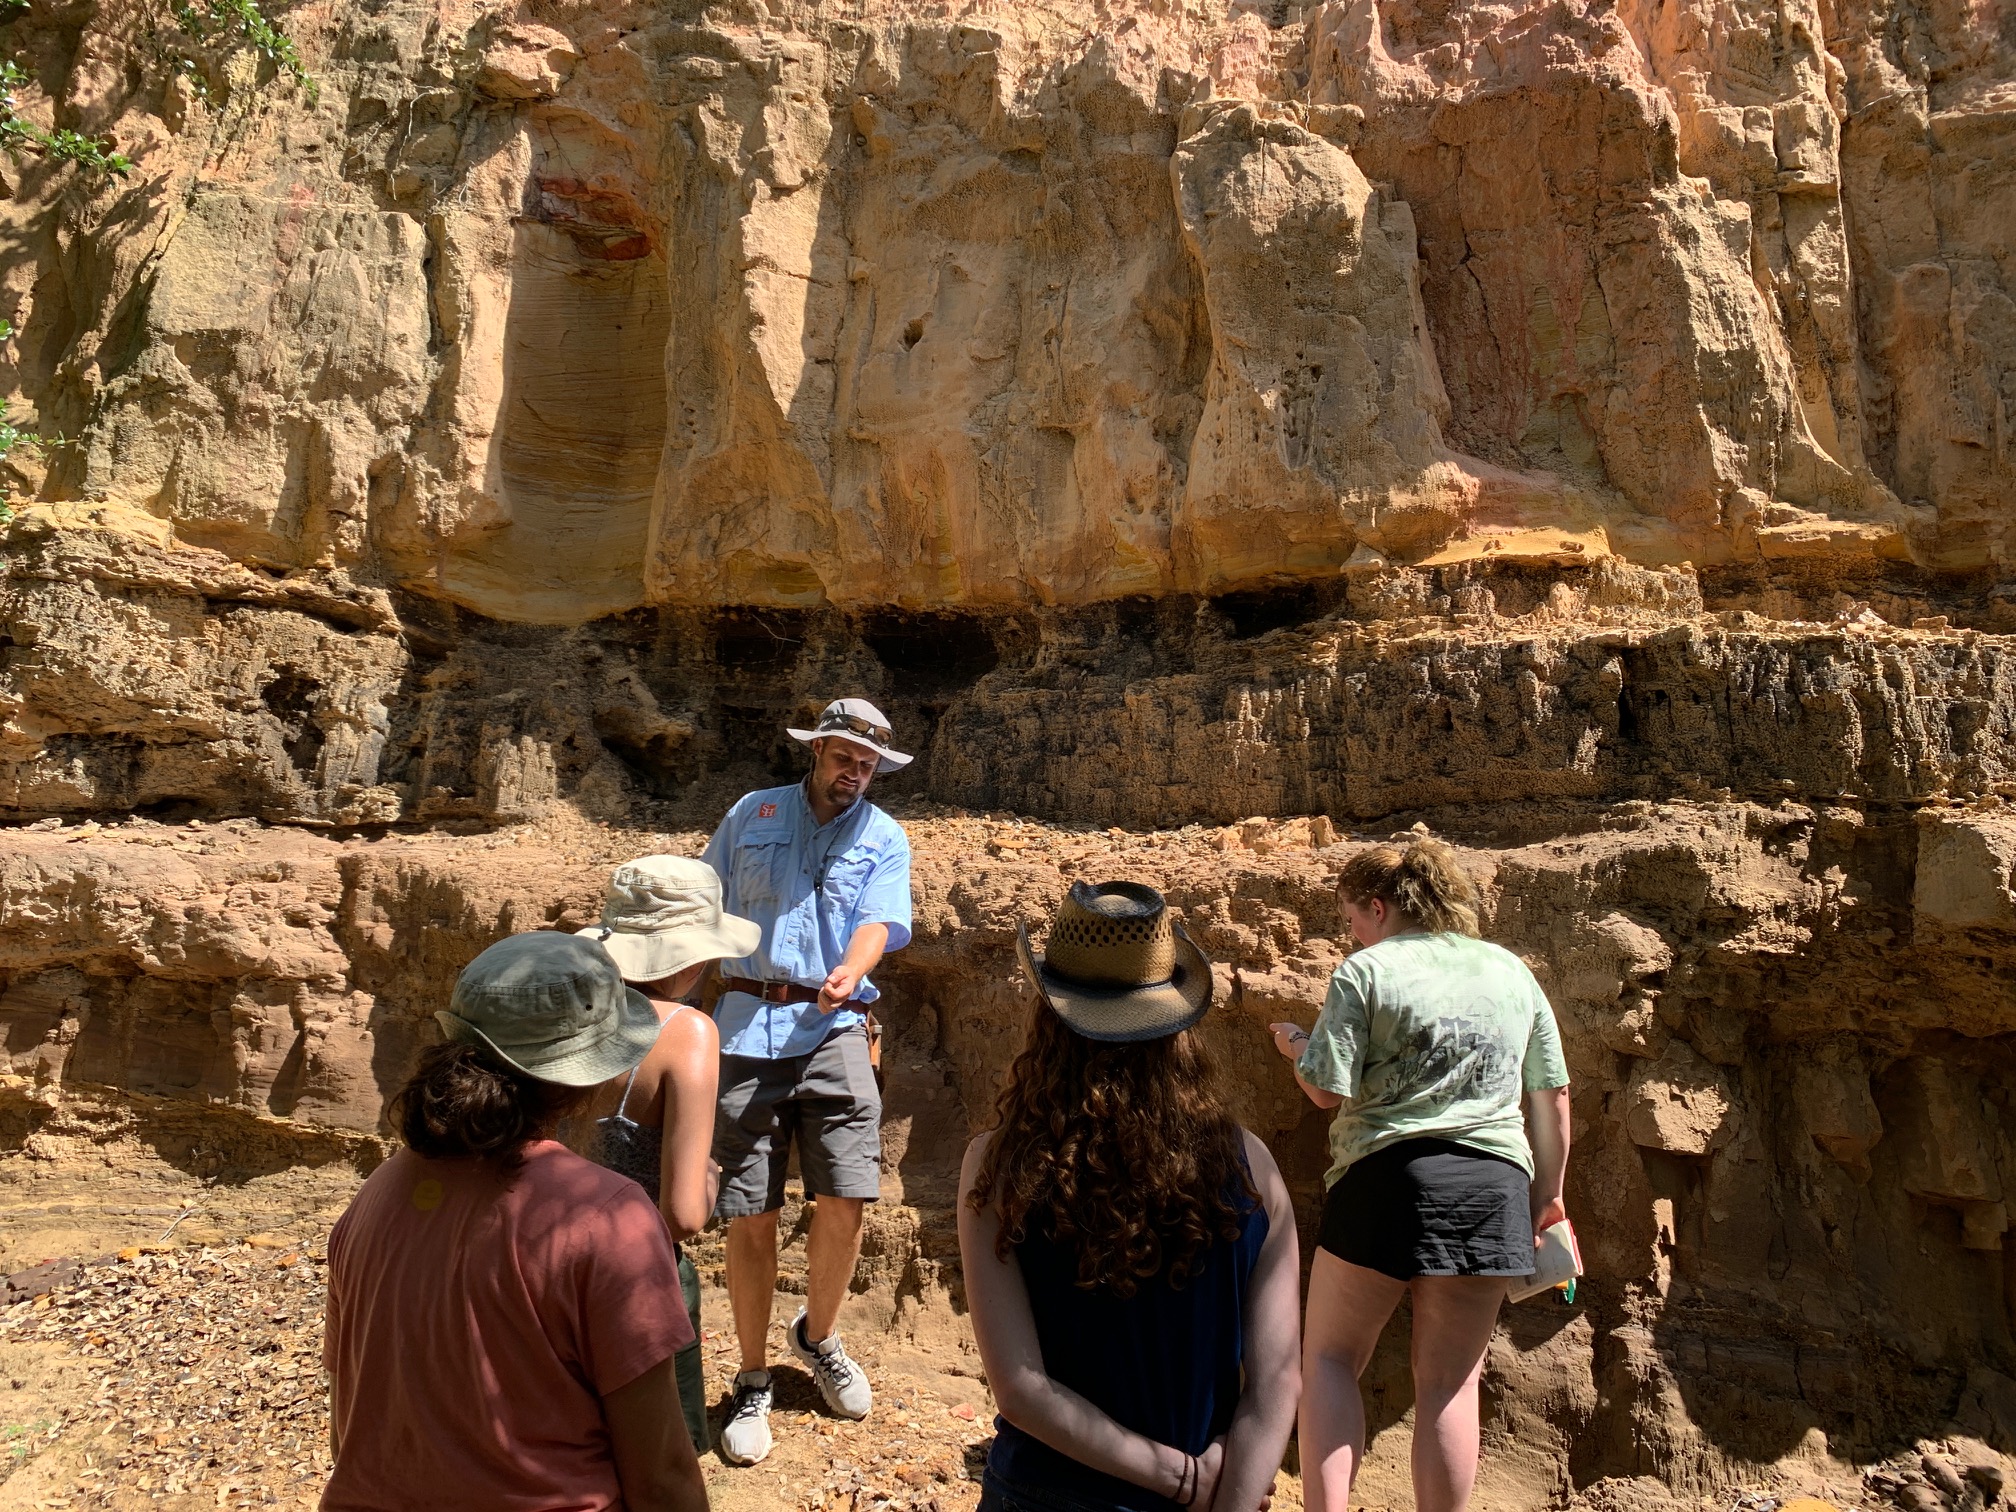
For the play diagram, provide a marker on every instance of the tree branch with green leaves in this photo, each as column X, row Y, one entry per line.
column 228, row 24
column 18, row 134
column 201, row 27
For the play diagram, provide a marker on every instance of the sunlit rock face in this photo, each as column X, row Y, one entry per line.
column 625, row 305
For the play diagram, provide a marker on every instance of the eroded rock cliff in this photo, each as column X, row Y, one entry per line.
column 1788, row 1026
column 566, row 312
column 1218, row 434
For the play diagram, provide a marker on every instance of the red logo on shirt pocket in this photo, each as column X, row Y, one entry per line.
column 766, row 811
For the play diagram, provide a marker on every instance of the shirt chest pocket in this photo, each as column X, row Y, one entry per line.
column 846, row 879
column 761, row 862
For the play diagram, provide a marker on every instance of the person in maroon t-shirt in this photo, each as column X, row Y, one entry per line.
column 503, row 1315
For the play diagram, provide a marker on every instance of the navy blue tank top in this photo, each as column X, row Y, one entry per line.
column 1164, row 1362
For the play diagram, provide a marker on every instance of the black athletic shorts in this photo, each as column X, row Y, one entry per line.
column 1431, row 1207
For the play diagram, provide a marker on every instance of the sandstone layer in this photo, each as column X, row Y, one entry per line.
column 563, row 310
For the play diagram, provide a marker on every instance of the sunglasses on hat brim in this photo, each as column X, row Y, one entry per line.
column 852, row 724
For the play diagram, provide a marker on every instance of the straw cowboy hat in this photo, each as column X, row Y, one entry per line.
column 663, row 913
column 1116, row 968
column 857, row 720
column 553, row 1006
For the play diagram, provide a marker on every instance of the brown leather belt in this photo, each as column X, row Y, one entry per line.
column 791, row 992
column 771, row 992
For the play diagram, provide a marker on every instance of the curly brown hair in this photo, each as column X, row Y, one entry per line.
column 1124, row 1150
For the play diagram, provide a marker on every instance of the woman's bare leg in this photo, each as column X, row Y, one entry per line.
column 1453, row 1319
column 1348, row 1307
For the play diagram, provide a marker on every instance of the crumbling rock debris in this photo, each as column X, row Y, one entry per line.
column 39, row 1280
column 1955, row 1472
column 1941, row 1473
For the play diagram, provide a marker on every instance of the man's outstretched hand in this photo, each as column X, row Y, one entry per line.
column 864, row 951
column 840, row 985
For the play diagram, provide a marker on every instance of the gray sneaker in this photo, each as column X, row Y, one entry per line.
column 746, row 1438
column 843, row 1383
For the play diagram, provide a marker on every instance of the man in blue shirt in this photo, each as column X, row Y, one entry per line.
column 827, row 876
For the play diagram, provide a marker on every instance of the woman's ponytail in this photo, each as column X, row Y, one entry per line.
column 1422, row 881
column 461, row 1100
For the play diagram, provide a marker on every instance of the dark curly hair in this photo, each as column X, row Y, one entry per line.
column 461, row 1100
column 1124, row 1150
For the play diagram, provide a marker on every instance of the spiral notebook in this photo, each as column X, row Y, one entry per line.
column 1557, row 1260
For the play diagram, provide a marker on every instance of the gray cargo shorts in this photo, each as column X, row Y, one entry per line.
column 827, row 1101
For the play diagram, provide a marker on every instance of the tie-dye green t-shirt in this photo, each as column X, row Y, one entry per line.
column 1432, row 1036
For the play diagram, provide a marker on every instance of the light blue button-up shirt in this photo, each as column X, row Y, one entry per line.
column 810, row 886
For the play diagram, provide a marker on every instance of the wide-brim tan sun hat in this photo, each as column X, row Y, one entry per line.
column 662, row 914
column 553, row 1006
column 857, row 720
column 1116, row 967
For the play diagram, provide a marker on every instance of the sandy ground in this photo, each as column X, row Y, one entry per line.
column 126, row 1386
column 179, row 1368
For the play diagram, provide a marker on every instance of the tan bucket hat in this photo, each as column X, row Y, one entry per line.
column 1116, row 967
column 553, row 1006
column 857, row 720
column 663, row 913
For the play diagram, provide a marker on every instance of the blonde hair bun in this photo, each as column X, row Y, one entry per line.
column 1421, row 880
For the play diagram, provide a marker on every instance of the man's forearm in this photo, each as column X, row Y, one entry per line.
column 864, row 951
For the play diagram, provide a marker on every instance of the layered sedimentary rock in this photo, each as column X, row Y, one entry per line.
column 1583, row 429
column 177, row 681
column 1788, row 1027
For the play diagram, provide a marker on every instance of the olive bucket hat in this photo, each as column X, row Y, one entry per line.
column 1116, row 967
column 554, row 1006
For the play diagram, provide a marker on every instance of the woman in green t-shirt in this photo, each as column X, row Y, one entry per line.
column 1447, row 1157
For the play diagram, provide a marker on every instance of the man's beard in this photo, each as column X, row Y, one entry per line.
column 838, row 797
